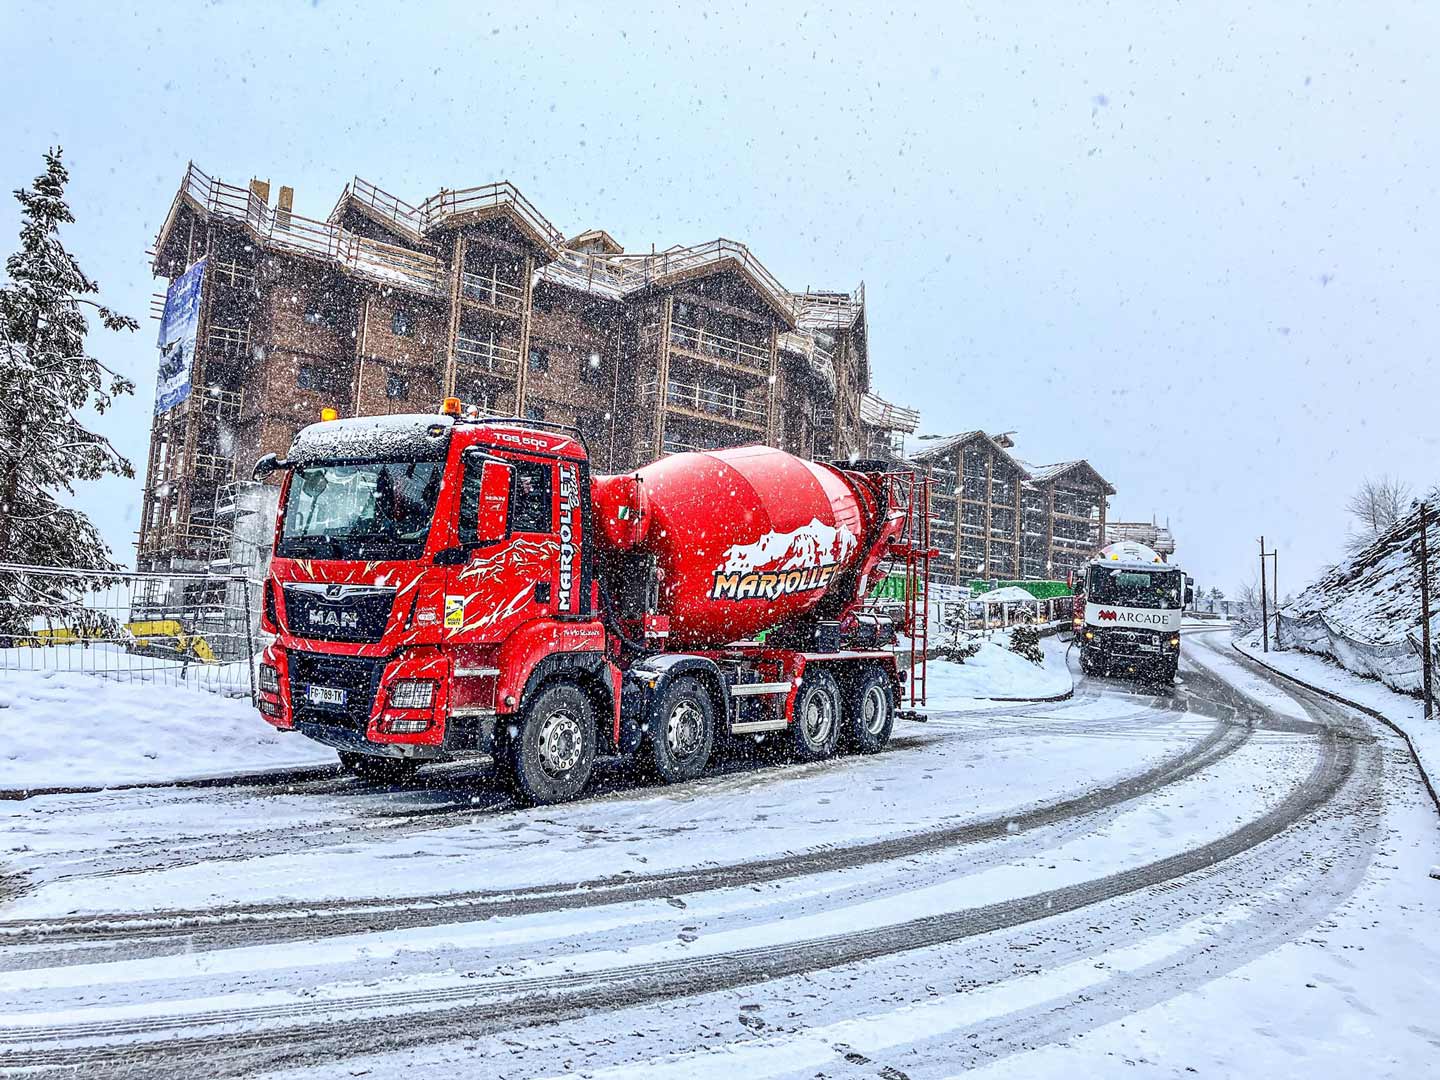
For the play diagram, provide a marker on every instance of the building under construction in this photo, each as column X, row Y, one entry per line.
column 385, row 306
column 996, row 517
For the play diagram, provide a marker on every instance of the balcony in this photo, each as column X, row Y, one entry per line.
column 706, row 403
column 744, row 355
column 492, row 356
column 493, row 291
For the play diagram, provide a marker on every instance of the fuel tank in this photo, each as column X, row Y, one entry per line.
column 745, row 539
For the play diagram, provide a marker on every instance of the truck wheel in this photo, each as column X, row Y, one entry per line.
column 679, row 745
column 378, row 770
column 553, row 752
column 816, row 726
column 870, row 712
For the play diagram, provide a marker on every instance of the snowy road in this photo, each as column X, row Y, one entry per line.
column 1004, row 889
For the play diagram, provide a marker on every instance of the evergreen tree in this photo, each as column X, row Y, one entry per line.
column 1025, row 641
column 47, row 380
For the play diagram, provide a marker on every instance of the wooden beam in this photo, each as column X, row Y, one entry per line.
column 457, row 269
column 662, row 374
column 522, row 374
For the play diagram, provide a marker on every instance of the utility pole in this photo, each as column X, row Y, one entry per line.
column 1264, row 610
column 1275, row 586
column 1425, row 611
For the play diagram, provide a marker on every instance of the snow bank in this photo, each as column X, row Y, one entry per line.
column 1405, row 712
column 67, row 729
column 996, row 672
column 1365, row 612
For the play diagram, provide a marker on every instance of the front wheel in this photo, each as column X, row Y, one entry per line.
column 870, row 712
column 816, row 725
column 552, row 752
column 679, row 746
column 378, row 770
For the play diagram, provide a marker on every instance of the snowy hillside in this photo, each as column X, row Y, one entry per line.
column 1365, row 612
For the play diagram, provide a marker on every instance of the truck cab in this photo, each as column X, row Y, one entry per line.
column 1128, row 613
column 420, row 563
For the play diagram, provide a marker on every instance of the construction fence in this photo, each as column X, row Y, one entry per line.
column 188, row 629
column 1395, row 663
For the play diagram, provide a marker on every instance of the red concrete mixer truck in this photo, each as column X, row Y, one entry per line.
column 448, row 586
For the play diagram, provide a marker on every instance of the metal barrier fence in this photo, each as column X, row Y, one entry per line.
column 198, row 630
column 1395, row 663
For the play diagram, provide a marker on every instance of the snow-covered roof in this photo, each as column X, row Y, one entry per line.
column 396, row 437
column 1008, row 594
column 954, row 442
column 1044, row 474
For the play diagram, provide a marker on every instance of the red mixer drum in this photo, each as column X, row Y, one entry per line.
column 746, row 539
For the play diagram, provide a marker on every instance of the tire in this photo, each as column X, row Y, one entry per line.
column 552, row 754
column 378, row 770
column 815, row 730
column 870, row 712
column 679, row 746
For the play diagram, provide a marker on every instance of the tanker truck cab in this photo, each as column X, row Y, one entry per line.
column 445, row 588
column 1128, row 621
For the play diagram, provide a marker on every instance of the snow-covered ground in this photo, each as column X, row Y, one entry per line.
column 1403, row 710
column 1228, row 877
column 90, row 729
column 72, row 729
column 997, row 673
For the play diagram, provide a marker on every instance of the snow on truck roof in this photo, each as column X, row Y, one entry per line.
column 396, row 437
column 1132, row 556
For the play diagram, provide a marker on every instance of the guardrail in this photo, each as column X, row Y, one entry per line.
column 730, row 407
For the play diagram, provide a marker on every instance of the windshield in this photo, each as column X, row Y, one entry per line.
column 379, row 510
column 1135, row 588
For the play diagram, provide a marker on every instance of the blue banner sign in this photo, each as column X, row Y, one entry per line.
column 178, row 327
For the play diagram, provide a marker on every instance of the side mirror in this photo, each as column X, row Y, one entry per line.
column 267, row 465
column 492, row 520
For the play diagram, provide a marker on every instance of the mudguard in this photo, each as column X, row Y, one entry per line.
column 646, row 682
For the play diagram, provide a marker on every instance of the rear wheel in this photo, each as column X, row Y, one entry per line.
column 378, row 770
column 552, row 751
column 815, row 730
column 680, row 744
column 870, row 711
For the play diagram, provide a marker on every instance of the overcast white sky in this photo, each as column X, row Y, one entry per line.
column 1196, row 245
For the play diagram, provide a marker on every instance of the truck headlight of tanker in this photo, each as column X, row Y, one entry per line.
column 269, row 679
column 411, row 694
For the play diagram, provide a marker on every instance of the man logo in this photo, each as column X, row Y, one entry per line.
column 339, row 620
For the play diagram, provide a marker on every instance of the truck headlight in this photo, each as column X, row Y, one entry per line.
column 412, row 694
column 1175, row 641
column 269, row 679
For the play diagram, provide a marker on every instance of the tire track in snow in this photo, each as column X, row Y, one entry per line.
column 254, row 924
column 269, row 1036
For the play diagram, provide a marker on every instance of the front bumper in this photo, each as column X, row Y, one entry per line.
column 360, row 722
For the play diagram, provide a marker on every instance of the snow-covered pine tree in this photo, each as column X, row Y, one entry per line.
column 47, row 379
column 1025, row 641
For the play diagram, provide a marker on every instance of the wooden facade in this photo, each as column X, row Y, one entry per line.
column 997, row 518
column 386, row 306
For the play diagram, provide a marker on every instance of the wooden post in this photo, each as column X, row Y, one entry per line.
column 457, row 268
column 1264, row 611
column 989, row 495
column 772, row 399
column 1425, row 662
column 662, row 375
column 522, row 376
column 1275, row 589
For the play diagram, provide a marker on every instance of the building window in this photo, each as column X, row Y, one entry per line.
column 316, row 316
column 539, row 358
column 402, row 324
column 314, row 377
column 396, row 386
column 534, row 412
column 590, row 369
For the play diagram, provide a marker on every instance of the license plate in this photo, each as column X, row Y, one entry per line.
column 1149, row 648
column 325, row 695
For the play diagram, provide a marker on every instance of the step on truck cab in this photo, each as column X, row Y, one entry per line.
column 449, row 586
column 1128, row 611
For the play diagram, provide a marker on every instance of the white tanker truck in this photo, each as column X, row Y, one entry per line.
column 1127, row 613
